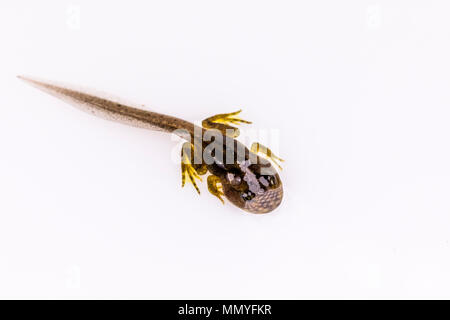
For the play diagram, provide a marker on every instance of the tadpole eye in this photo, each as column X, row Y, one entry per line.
column 234, row 179
column 247, row 196
column 271, row 179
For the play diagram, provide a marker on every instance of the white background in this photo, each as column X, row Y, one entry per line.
column 358, row 91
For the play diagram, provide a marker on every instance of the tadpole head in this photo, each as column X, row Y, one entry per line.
column 254, row 188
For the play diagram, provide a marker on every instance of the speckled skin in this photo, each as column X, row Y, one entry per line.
column 250, row 182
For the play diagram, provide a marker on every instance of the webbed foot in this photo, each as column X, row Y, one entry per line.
column 188, row 168
column 223, row 123
column 259, row 148
column 215, row 187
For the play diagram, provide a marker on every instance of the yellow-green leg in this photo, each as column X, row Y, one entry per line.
column 259, row 148
column 215, row 187
column 188, row 169
column 223, row 123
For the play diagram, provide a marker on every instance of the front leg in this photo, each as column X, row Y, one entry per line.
column 259, row 148
column 222, row 123
column 215, row 187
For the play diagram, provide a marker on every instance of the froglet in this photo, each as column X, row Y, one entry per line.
column 247, row 178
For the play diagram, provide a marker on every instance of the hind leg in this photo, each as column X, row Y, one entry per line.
column 190, row 170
